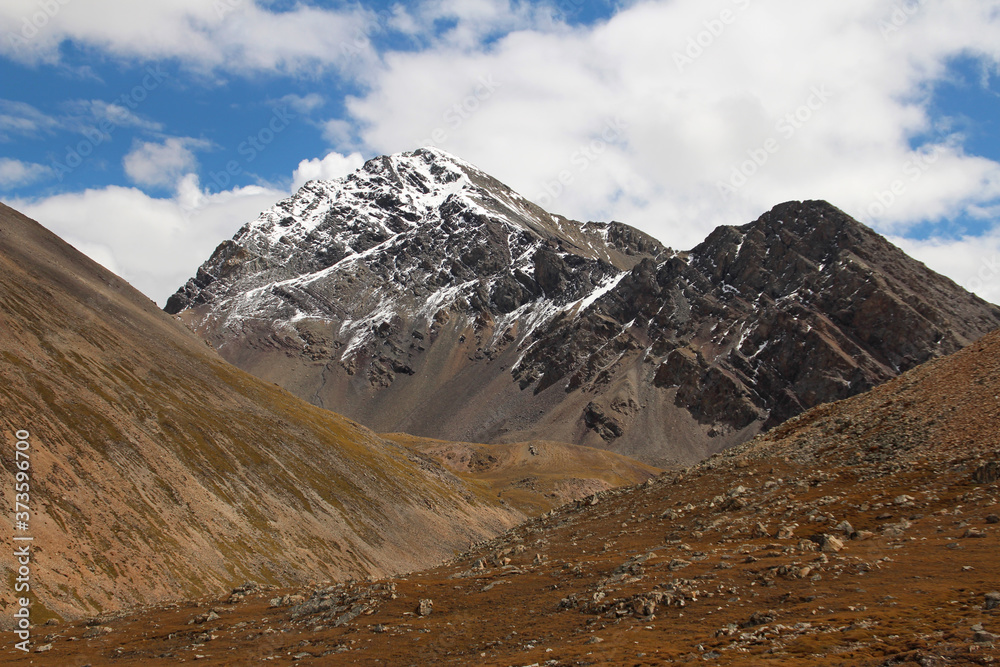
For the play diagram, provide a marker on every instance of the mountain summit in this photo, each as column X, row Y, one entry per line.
column 419, row 294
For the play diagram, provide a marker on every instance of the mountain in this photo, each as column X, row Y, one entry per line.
column 421, row 295
column 863, row 532
column 160, row 471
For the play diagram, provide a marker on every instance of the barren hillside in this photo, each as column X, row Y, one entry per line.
column 863, row 533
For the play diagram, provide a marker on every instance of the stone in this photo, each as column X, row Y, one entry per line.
column 785, row 533
column 828, row 543
column 983, row 637
column 425, row 607
column 993, row 518
column 97, row 631
column 987, row 473
column 643, row 607
column 992, row 601
column 760, row 618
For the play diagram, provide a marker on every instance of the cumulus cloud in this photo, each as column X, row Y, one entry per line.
column 154, row 243
column 15, row 173
column 678, row 116
column 157, row 243
column 231, row 35
column 674, row 116
column 303, row 104
column 334, row 165
column 466, row 23
column 162, row 164
column 971, row 261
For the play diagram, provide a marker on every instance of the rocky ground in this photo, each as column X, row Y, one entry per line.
column 865, row 532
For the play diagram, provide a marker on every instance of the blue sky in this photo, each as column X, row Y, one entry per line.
column 146, row 133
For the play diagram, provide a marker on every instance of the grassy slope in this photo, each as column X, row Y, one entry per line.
column 160, row 471
column 903, row 464
column 532, row 477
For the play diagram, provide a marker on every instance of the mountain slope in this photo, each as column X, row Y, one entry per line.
column 158, row 470
column 803, row 306
column 862, row 532
column 421, row 295
column 533, row 477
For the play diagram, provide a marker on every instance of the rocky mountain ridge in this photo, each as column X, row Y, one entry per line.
column 421, row 295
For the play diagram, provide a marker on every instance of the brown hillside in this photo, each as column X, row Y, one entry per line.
column 159, row 471
column 862, row 533
column 532, row 477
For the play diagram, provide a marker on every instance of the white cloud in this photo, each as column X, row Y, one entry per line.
column 469, row 21
column 15, row 173
column 303, row 104
column 638, row 118
column 87, row 114
column 230, row 35
column 836, row 96
column 339, row 133
column 162, row 164
column 153, row 243
column 20, row 118
column 972, row 261
column 334, row 165
column 157, row 243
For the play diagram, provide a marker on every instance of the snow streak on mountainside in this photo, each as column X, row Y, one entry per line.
column 407, row 235
column 420, row 294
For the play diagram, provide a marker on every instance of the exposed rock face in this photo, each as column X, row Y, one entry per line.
column 758, row 323
column 421, row 295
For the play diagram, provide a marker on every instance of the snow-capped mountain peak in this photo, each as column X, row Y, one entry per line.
column 421, row 294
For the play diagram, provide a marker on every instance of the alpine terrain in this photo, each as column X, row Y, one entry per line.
column 864, row 533
column 158, row 471
column 419, row 294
